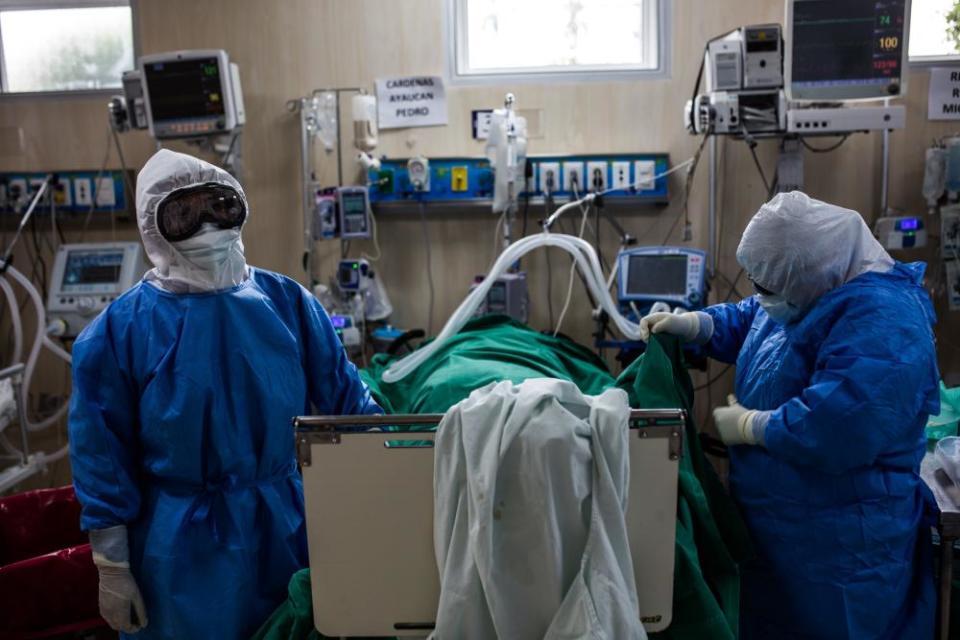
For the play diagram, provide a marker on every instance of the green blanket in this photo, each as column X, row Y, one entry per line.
column 711, row 538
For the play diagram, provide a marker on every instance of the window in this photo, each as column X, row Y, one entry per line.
column 934, row 30
column 549, row 38
column 49, row 46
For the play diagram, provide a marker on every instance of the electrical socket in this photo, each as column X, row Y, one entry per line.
column 61, row 193
column 621, row 175
column 597, row 175
column 105, row 195
column 83, row 190
column 548, row 177
column 644, row 172
column 17, row 190
column 573, row 177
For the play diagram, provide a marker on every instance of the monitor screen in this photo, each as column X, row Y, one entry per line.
column 847, row 50
column 89, row 267
column 354, row 213
column 185, row 89
column 656, row 275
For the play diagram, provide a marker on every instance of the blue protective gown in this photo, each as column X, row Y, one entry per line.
column 180, row 428
column 834, row 500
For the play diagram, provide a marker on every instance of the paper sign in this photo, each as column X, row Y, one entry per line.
column 944, row 99
column 418, row 101
column 481, row 123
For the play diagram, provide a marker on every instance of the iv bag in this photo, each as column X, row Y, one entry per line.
column 323, row 107
column 934, row 175
column 507, row 151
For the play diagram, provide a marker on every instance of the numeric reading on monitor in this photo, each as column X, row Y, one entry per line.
column 853, row 45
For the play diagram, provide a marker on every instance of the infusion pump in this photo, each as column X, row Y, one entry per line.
column 87, row 277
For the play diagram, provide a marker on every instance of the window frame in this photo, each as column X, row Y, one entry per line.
column 14, row 5
column 455, row 59
column 920, row 62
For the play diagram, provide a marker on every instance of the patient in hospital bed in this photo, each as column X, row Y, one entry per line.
column 711, row 540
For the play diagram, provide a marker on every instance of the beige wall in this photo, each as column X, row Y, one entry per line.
column 286, row 48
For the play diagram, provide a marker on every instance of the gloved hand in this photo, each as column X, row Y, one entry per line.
column 739, row 425
column 686, row 325
column 121, row 604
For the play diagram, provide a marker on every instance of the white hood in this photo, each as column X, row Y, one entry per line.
column 223, row 264
column 801, row 248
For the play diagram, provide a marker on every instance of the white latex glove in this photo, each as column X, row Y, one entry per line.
column 736, row 423
column 121, row 604
column 685, row 325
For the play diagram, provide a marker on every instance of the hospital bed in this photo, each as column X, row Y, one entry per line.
column 369, row 508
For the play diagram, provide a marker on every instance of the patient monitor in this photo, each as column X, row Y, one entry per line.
column 89, row 276
column 673, row 275
column 191, row 93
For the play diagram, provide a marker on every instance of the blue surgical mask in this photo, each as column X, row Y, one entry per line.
column 778, row 308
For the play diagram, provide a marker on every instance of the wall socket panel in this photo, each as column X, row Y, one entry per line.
column 623, row 176
column 73, row 191
column 470, row 180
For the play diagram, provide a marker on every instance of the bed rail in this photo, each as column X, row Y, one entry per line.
column 647, row 423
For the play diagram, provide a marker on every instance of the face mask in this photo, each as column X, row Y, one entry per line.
column 209, row 249
column 778, row 308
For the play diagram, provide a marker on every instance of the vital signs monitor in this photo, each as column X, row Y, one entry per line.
column 674, row 275
column 191, row 93
column 849, row 50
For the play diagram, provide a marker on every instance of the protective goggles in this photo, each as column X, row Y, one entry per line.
column 762, row 291
column 182, row 213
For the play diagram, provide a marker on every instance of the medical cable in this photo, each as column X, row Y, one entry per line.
column 693, row 162
column 123, row 163
column 41, row 340
column 590, row 197
column 15, row 321
column 376, row 240
column 426, row 244
column 96, row 186
column 832, row 147
column 546, row 207
column 587, row 262
column 696, row 84
column 573, row 272
column 752, row 146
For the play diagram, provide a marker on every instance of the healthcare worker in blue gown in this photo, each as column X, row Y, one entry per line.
column 180, row 421
column 836, row 376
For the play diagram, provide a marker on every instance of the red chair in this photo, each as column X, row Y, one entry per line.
column 48, row 582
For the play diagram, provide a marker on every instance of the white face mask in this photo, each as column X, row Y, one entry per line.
column 778, row 308
column 209, row 249
column 210, row 260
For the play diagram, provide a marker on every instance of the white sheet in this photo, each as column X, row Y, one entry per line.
column 530, row 488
